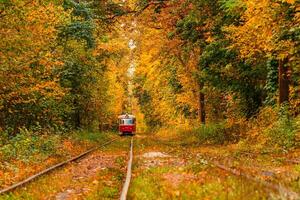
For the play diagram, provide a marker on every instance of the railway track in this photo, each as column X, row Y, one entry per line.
column 52, row 168
column 288, row 193
column 128, row 174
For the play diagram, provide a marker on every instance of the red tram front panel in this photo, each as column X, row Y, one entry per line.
column 127, row 128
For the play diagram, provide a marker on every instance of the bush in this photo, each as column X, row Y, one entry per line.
column 4, row 137
column 26, row 144
column 211, row 133
column 283, row 133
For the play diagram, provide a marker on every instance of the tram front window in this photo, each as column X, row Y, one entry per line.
column 127, row 121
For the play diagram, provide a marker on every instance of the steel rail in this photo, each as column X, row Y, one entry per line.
column 31, row 178
column 129, row 173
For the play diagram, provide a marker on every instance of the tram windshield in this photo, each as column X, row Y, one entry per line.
column 127, row 121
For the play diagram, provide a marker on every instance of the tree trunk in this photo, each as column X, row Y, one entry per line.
column 201, row 105
column 283, row 80
column 77, row 119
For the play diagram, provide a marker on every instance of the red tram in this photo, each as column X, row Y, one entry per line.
column 127, row 124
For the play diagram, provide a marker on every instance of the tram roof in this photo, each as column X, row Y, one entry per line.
column 126, row 116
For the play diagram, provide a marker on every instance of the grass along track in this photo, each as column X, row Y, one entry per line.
column 284, row 191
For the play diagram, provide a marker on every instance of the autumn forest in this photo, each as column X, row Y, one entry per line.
column 214, row 85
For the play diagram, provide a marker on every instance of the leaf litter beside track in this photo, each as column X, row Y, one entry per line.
column 49, row 151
